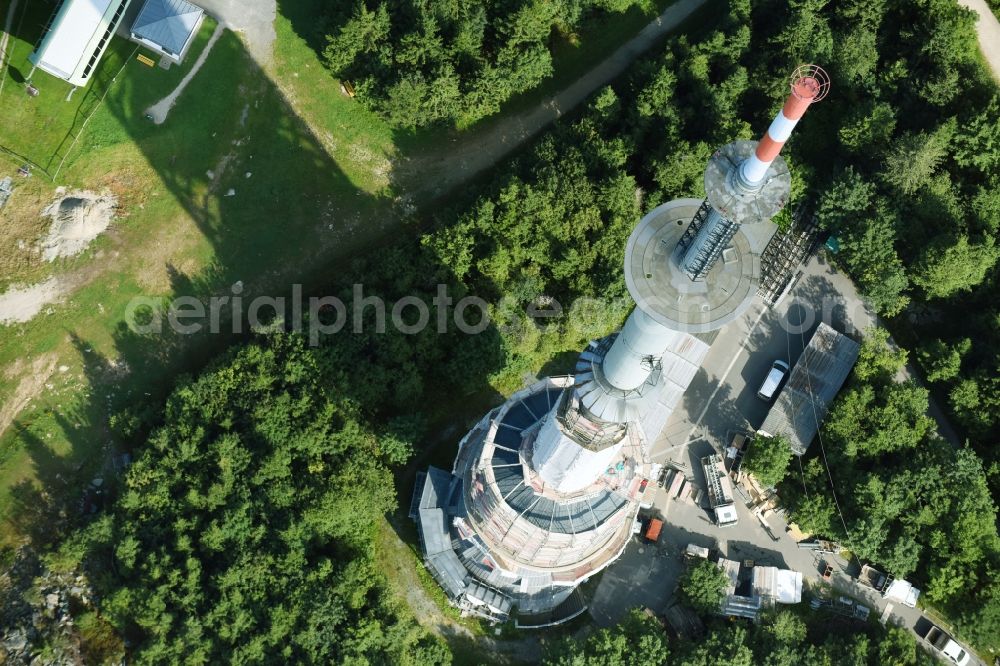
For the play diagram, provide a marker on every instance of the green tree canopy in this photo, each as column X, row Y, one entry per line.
column 951, row 265
column 419, row 63
column 245, row 530
column 879, row 359
column 915, row 157
column 942, row 361
column 702, row 587
column 637, row 639
column 768, row 459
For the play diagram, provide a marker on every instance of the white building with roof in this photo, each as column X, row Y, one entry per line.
column 76, row 38
column 751, row 589
column 168, row 26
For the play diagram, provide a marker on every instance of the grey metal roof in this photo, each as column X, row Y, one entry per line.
column 437, row 489
column 813, row 384
column 168, row 23
column 448, row 571
column 431, row 510
column 434, row 531
column 497, row 601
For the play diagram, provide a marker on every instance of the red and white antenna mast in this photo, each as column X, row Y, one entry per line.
column 809, row 83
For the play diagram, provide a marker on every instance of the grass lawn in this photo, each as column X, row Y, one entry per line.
column 70, row 369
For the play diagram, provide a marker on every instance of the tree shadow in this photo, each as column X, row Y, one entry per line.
column 562, row 363
column 295, row 219
column 295, row 224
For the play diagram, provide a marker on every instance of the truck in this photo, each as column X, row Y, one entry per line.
column 945, row 645
column 893, row 589
column 720, row 490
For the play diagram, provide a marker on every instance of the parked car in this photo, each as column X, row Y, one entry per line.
column 775, row 376
column 946, row 646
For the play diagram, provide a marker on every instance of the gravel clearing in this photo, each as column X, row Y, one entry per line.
column 21, row 303
column 77, row 218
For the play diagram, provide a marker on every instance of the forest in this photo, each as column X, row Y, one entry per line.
column 895, row 493
column 420, row 63
column 243, row 532
column 902, row 165
column 782, row 638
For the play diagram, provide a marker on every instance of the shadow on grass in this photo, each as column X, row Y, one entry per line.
column 278, row 213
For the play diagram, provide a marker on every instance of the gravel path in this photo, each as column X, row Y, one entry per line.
column 20, row 303
column 158, row 112
column 988, row 30
column 457, row 162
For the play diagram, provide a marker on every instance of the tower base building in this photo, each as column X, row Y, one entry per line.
column 545, row 489
column 526, row 514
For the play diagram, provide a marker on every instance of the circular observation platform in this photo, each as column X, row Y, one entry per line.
column 663, row 290
column 728, row 194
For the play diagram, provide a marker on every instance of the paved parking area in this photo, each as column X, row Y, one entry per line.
column 723, row 395
column 722, row 398
column 644, row 577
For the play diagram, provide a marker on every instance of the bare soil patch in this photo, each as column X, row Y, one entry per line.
column 22, row 302
column 77, row 219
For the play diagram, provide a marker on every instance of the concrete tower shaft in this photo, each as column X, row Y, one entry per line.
column 696, row 268
column 639, row 346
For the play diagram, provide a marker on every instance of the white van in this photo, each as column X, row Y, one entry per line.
column 773, row 381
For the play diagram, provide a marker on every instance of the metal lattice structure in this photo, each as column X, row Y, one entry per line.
column 787, row 250
column 696, row 224
column 717, row 237
column 720, row 491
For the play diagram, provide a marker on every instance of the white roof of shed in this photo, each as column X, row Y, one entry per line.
column 71, row 34
column 782, row 585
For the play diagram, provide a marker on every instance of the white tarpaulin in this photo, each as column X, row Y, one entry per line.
column 564, row 465
column 781, row 585
column 788, row 587
column 903, row 592
column 726, row 515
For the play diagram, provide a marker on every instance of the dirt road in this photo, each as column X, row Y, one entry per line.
column 988, row 31
column 456, row 162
